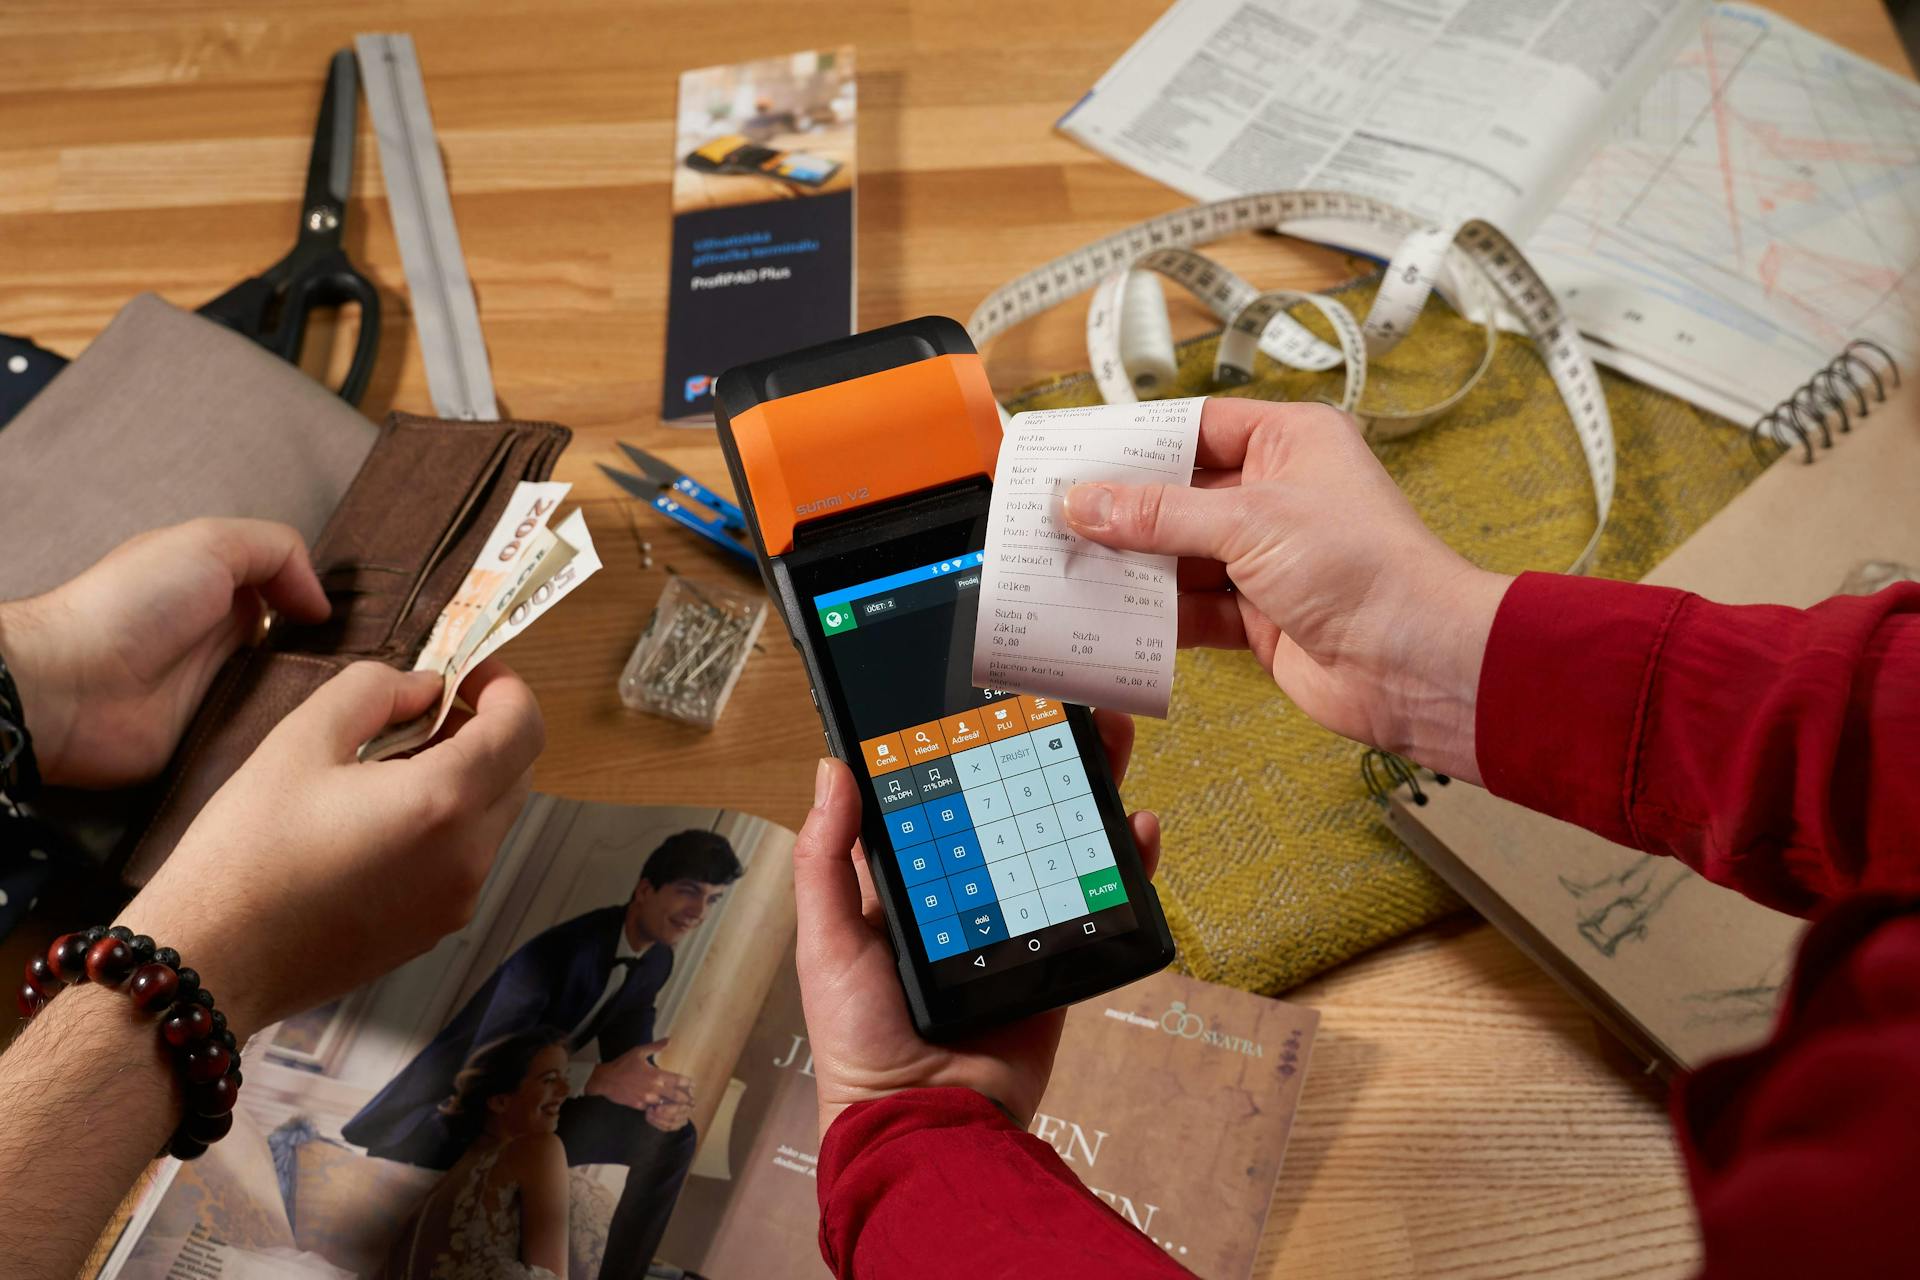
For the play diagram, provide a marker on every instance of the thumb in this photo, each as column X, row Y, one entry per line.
column 359, row 702
column 1168, row 519
column 826, row 892
column 271, row 558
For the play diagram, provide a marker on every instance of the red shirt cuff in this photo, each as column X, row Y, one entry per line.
column 868, row 1124
column 938, row 1184
column 1563, row 693
column 866, row 1127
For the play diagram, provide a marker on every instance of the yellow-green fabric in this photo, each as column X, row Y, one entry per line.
column 1276, row 863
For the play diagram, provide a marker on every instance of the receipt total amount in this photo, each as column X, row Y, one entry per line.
column 1061, row 616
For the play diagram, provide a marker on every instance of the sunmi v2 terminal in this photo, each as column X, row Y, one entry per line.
column 993, row 829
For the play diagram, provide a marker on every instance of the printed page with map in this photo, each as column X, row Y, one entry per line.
column 1723, row 199
column 1757, row 210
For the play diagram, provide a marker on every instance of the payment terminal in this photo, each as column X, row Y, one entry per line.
column 993, row 829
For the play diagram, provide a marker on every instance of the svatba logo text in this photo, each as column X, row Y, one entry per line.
column 1178, row 1020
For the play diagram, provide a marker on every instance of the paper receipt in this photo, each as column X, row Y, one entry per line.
column 1061, row 616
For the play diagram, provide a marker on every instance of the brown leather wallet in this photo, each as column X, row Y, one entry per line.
column 404, row 535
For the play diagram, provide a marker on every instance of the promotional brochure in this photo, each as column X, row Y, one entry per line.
column 375, row 1133
column 763, row 214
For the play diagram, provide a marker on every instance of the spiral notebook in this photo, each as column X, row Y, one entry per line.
column 1681, row 969
column 1840, row 393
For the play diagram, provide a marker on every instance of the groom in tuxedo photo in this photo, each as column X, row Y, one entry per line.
column 594, row 977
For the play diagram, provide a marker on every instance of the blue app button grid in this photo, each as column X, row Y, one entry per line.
column 959, row 851
column 948, row 815
column 943, row 938
column 908, row 826
column 920, row 864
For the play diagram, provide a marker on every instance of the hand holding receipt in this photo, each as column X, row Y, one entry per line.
column 1061, row 615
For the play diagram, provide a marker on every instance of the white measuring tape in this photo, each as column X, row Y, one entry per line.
column 1124, row 364
column 439, row 291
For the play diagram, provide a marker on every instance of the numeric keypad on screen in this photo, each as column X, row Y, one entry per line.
column 994, row 838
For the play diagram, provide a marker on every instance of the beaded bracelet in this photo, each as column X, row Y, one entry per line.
column 204, row 1050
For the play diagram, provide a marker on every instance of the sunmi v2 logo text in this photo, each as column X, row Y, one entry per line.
column 833, row 501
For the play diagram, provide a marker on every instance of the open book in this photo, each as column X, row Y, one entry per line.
column 1171, row 1098
column 1722, row 199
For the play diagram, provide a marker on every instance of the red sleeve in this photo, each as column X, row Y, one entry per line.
column 938, row 1183
column 1804, row 1154
column 1773, row 750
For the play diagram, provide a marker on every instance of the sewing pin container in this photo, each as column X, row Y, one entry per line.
column 691, row 654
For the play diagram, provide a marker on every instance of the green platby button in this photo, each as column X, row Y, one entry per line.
column 1103, row 889
column 836, row 619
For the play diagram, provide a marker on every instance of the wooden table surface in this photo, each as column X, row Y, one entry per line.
column 1461, row 1117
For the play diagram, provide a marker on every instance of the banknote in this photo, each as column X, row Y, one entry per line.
column 524, row 568
column 533, row 504
column 570, row 564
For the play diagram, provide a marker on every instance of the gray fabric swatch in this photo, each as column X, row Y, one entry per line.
column 166, row 416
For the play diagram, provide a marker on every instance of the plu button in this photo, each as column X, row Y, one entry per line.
column 836, row 618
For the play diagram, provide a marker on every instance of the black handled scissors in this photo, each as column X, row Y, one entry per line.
column 272, row 307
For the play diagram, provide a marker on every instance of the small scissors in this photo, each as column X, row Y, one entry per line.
column 664, row 486
column 272, row 307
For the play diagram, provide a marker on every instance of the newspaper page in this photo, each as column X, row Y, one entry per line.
column 584, row 1004
column 1451, row 109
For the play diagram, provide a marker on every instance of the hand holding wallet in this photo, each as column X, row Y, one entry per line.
column 396, row 549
